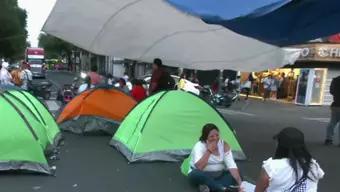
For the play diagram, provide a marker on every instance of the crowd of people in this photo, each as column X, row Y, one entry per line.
column 20, row 76
column 160, row 80
column 269, row 87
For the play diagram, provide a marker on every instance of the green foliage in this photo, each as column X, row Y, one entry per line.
column 54, row 47
column 13, row 33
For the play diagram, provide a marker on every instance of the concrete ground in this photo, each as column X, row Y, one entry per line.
column 89, row 164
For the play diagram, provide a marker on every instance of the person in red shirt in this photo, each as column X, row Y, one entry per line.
column 95, row 77
column 138, row 92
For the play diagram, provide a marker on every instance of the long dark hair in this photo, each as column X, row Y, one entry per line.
column 206, row 130
column 299, row 157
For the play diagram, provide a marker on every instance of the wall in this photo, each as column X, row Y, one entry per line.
column 114, row 66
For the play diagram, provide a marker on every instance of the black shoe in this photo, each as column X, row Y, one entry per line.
column 328, row 142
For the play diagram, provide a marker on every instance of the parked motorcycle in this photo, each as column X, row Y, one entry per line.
column 69, row 91
column 41, row 89
column 225, row 98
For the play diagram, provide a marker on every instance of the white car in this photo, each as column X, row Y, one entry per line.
column 189, row 86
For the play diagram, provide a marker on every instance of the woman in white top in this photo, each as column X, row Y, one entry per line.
column 292, row 169
column 212, row 166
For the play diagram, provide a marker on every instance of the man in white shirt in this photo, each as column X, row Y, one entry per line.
column 5, row 76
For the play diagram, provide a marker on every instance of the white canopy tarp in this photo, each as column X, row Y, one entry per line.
column 145, row 29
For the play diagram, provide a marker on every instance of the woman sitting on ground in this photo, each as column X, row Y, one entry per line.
column 292, row 169
column 212, row 166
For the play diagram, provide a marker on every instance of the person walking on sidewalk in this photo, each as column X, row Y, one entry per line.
column 5, row 76
column 335, row 111
column 267, row 86
column 247, row 85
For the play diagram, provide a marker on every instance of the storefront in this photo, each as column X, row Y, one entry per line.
column 320, row 63
column 285, row 79
column 307, row 81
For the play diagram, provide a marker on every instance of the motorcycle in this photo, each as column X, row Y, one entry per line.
column 41, row 89
column 69, row 91
column 225, row 98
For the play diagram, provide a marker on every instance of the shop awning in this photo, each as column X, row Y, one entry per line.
column 278, row 22
column 145, row 29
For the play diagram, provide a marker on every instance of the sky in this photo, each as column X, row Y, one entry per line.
column 226, row 9
column 37, row 11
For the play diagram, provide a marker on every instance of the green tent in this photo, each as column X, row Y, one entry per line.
column 28, row 132
column 166, row 126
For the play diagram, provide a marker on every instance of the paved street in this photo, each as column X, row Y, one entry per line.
column 89, row 164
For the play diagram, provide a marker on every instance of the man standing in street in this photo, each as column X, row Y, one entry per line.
column 161, row 79
column 95, row 77
column 26, row 77
column 335, row 111
column 5, row 76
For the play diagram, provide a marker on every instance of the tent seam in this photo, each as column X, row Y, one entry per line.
column 21, row 115
column 146, row 120
column 22, row 92
column 18, row 99
column 153, row 107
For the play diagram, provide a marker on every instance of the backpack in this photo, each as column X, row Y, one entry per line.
column 166, row 82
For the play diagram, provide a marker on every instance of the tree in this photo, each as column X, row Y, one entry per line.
column 13, row 33
column 55, row 47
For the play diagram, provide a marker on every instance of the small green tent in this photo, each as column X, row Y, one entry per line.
column 27, row 132
column 166, row 126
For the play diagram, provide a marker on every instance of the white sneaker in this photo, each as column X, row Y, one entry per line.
column 203, row 188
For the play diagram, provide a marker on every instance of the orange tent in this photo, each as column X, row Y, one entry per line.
column 94, row 110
